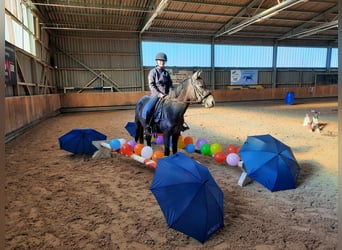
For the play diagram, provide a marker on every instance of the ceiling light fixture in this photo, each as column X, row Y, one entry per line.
column 312, row 31
column 262, row 16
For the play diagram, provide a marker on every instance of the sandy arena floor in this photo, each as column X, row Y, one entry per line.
column 59, row 201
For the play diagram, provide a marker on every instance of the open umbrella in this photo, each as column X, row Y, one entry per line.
column 79, row 141
column 270, row 162
column 188, row 195
column 130, row 127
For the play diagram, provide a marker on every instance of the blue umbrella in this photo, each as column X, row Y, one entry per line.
column 130, row 127
column 270, row 162
column 79, row 141
column 188, row 196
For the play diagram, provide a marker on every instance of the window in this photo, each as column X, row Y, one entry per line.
column 243, row 56
column 19, row 26
column 334, row 58
column 178, row 54
column 298, row 57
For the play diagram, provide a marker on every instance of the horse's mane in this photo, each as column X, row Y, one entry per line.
column 177, row 88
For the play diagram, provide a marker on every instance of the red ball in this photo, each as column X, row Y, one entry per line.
column 220, row 157
column 232, row 149
column 126, row 149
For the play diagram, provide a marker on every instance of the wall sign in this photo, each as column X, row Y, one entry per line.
column 10, row 65
column 243, row 77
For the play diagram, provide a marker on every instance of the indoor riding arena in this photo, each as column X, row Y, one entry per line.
column 257, row 168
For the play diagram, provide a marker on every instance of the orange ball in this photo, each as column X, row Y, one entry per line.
column 137, row 148
column 188, row 140
column 157, row 154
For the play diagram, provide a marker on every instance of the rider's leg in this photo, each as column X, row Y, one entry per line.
column 147, row 113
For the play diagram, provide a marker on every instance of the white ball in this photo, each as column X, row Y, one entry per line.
column 147, row 152
column 122, row 141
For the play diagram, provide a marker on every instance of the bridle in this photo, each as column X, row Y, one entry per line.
column 198, row 93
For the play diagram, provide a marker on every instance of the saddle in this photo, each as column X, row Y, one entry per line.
column 156, row 114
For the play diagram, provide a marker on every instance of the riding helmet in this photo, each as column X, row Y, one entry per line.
column 161, row 56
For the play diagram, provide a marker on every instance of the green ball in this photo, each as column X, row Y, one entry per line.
column 205, row 149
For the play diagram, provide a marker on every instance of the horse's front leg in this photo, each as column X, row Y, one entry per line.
column 166, row 144
column 175, row 138
column 148, row 140
column 139, row 133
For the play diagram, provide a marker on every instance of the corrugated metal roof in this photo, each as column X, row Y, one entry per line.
column 203, row 21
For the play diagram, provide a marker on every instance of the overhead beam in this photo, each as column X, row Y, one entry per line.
column 159, row 9
column 261, row 16
column 239, row 15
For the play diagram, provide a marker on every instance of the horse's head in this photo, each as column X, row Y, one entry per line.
column 201, row 93
column 193, row 90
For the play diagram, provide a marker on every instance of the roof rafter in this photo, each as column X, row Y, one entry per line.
column 240, row 14
column 161, row 6
column 302, row 27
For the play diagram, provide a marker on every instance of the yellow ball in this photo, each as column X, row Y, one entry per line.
column 215, row 148
column 180, row 144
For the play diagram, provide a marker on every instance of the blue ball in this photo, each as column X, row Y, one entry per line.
column 190, row 148
column 114, row 144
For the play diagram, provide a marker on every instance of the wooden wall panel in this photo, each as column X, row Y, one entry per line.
column 24, row 110
column 75, row 100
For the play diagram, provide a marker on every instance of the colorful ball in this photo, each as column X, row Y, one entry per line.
column 157, row 155
column 180, row 144
column 126, row 149
column 215, row 148
column 132, row 143
column 190, row 148
column 137, row 148
column 200, row 142
column 220, row 157
column 188, row 140
column 160, row 139
column 231, row 149
column 114, row 144
column 233, row 159
column 147, row 152
column 122, row 141
column 205, row 149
